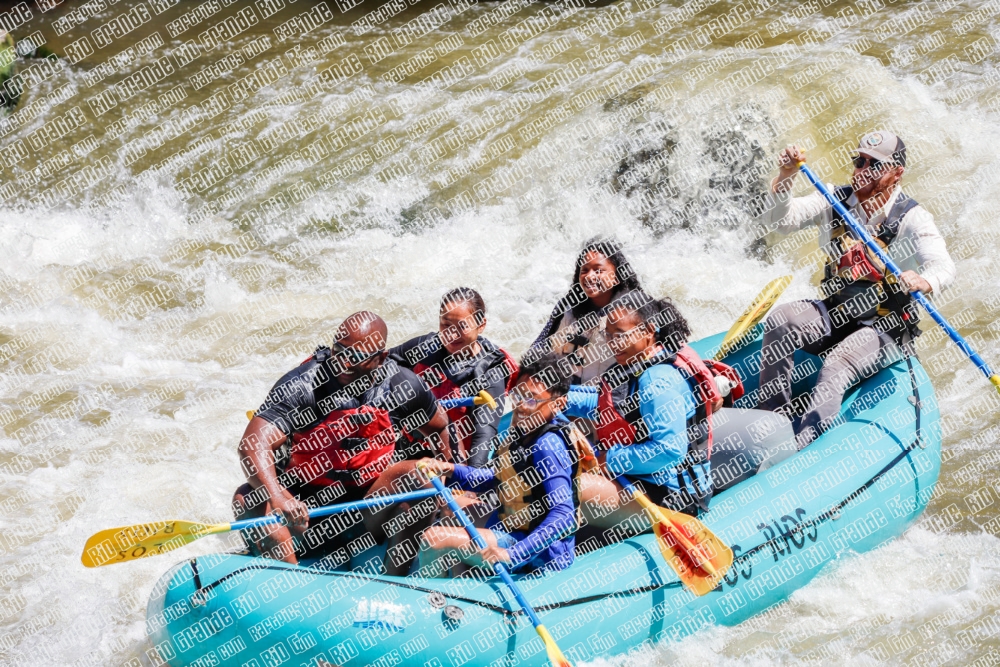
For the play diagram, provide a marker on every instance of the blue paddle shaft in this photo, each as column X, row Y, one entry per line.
column 463, row 402
column 862, row 234
column 478, row 540
column 320, row 512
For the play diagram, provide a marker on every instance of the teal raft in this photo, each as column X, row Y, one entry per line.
column 859, row 485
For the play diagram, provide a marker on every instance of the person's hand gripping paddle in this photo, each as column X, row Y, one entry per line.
column 482, row 398
column 556, row 656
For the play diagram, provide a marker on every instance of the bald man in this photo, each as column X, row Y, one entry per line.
column 348, row 412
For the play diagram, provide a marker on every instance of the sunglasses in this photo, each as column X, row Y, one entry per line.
column 862, row 161
column 351, row 356
column 529, row 401
column 623, row 339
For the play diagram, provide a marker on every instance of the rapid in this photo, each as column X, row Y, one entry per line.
column 166, row 260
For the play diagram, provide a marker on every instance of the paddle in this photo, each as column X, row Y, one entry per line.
column 142, row 540
column 698, row 557
column 752, row 316
column 862, row 234
column 555, row 655
column 468, row 401
column 481, row 398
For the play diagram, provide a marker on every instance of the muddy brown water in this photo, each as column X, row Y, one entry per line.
column 170, row 249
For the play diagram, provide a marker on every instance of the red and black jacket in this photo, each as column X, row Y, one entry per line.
column 493, row 370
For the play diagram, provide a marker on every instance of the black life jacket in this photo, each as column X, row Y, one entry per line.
column 523, row 501
column 859, row 289
column 445, row 383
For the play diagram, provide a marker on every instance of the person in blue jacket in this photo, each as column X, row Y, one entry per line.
column 661, row 423
column 653, row 407
column 530, row 482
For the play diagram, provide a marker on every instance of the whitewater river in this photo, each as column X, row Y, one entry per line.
column 173, row 249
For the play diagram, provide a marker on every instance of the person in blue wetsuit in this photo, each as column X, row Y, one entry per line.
column 530, row 482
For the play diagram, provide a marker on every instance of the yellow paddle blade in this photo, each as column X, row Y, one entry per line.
column 709, row 556
column 120, row 545
column 484, row 397
column 752, row 316
column 995, row 381
column 556, row 656
column 698, row 557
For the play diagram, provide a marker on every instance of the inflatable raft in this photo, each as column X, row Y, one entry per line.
column 859, row 485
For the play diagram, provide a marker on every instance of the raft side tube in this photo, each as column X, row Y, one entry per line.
column 860, row 484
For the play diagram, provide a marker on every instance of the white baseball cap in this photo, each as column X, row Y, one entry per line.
column 884, row 146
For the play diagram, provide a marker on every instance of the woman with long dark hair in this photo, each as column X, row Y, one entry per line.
column 660, row 408
column 575, row 329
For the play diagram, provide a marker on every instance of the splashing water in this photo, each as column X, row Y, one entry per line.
column 166, row 261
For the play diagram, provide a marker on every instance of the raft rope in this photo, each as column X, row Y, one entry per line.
column 479, row 603
column 832, row 513
column 197, row 577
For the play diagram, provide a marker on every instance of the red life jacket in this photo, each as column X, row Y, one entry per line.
column 443, row 387
column 616, row 428
column 350, row 446
column 855, row 264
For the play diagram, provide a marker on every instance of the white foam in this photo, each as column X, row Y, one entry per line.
column 176, row 457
